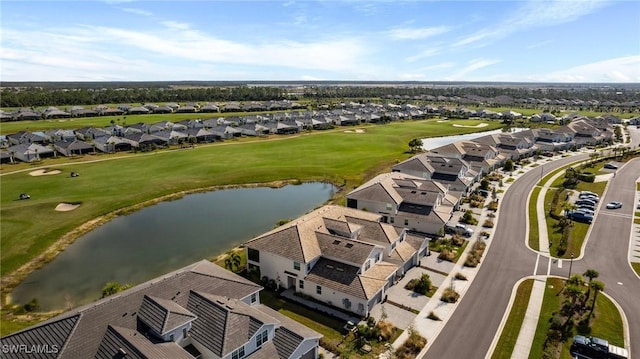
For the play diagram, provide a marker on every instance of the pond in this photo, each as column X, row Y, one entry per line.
column 164, row 237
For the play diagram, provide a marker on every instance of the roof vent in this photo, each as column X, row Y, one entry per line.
column 339, row 269
column 336, row 242
column 230, row 306
column 220, row 301
column 349, row 245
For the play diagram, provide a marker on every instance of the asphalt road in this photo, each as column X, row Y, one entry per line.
column 472, row 327
column 470, row 330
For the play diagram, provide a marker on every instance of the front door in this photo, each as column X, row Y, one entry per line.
column 291, row 282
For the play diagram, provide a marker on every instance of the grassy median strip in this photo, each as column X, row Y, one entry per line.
column 511, row 329
column 636, row 267
column 534, row 233
column 346, row 159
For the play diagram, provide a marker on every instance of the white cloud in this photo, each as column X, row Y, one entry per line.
column 432, row 51
column 621, row 69
column 539, row 44
column 416, row 33
column 136, row 11
column 533, row 14
column 472, row 66
column 175, row 25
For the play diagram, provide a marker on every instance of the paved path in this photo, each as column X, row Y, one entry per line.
column 530, row 323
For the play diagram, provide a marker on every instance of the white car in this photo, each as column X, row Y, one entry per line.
column 614, row 205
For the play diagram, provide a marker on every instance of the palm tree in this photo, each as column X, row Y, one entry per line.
column 597, row 286
column 591, row 274
column 232, row 261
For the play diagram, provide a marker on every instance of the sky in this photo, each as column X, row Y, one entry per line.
column 347, row 40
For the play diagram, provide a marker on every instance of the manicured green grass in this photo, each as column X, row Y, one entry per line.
column 511, row 329
column 31, row 226
column 636, row 267
column 606, row 321
column 550, row 303
column 534, row 232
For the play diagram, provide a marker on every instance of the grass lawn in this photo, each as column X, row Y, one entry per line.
column 511, row 329
column 636, row 267
column 534, row 233
column 550, row 304
column 331, row 328
column 347, row 159
column 605, row 323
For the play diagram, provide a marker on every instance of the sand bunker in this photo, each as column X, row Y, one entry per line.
column 356, row 131
column 65, row 207
column 44, row 172
column 476, row 126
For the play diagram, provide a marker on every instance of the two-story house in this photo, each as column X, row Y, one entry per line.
column 482, row 158
column 200, row 311
column 449, row 171
column 408, row 201
column 338, row 255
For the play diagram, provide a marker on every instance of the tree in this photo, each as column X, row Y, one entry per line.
column 415, row 145
column 508, row 165
column 597, row 287
column 485, row 184
column 232, row 261
column 591, row 274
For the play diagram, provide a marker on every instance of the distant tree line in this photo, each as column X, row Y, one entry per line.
column 37, row 96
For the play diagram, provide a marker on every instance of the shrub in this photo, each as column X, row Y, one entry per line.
column 492, row 206
column 587, row 177
column 460, row 276
column 412, row 346
column 433, row 316
column 468, row 218
column 447, row 255
column 420, row 285
column 488, row 223
column 457, row 240
column 385, row 329
column 32, row 305
column 450, row 296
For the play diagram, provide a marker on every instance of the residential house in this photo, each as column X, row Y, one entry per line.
column 408, row 201
column 172, row 137
column 144, row 140
column 203, row 136
column 200, row 311
column 482, row 158
column 454, row 173
column 91, row 133
column 553, row 140
column 29, row 152
column 25, row 137
column 59, row 135
column 75, row 147
column 337, row 255
column 509, row 146
column 112, row 144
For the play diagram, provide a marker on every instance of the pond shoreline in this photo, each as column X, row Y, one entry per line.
column 13, row 279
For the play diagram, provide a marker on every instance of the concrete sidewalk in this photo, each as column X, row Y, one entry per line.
column 530, row 323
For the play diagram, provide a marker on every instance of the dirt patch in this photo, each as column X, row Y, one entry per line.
column 480, row 125
column 44, row 172
column 66, row 207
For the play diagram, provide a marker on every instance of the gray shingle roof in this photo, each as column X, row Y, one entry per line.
column 163, row 315
column 286, row 342
column 55, row 334
column 132, row 344
column 121, row 309
column 344, row 249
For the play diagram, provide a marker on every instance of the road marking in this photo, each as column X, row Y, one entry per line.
column 549, row 265
column 559, row 263
column 619, row 283
column 621, row 215
column 535, row 268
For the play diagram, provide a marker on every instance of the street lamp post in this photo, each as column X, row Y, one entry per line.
column 570, row 265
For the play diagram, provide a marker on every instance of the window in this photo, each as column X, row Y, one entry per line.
column 262, row 338
column 184, row 333
column 238, row 354
column 392, row 219
column 301, row 284
column 253, row 254
column 406, row 222
column 296, row 265
column 308, row 267
column 254, row 297
column 367, row 265
column 318, row 289
column 389, row 207
column 171, row 337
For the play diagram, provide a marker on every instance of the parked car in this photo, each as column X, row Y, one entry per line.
column 24, row 196
column 610, row 166
column 614, row 205
column 591, row 198
column 580, row 217
column 588, row 193
column 587, row 202
column 586, row 210
column 459, row 228
column 483, row 192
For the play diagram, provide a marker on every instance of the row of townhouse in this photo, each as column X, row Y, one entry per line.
column 348, row 257
column 200, row 311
